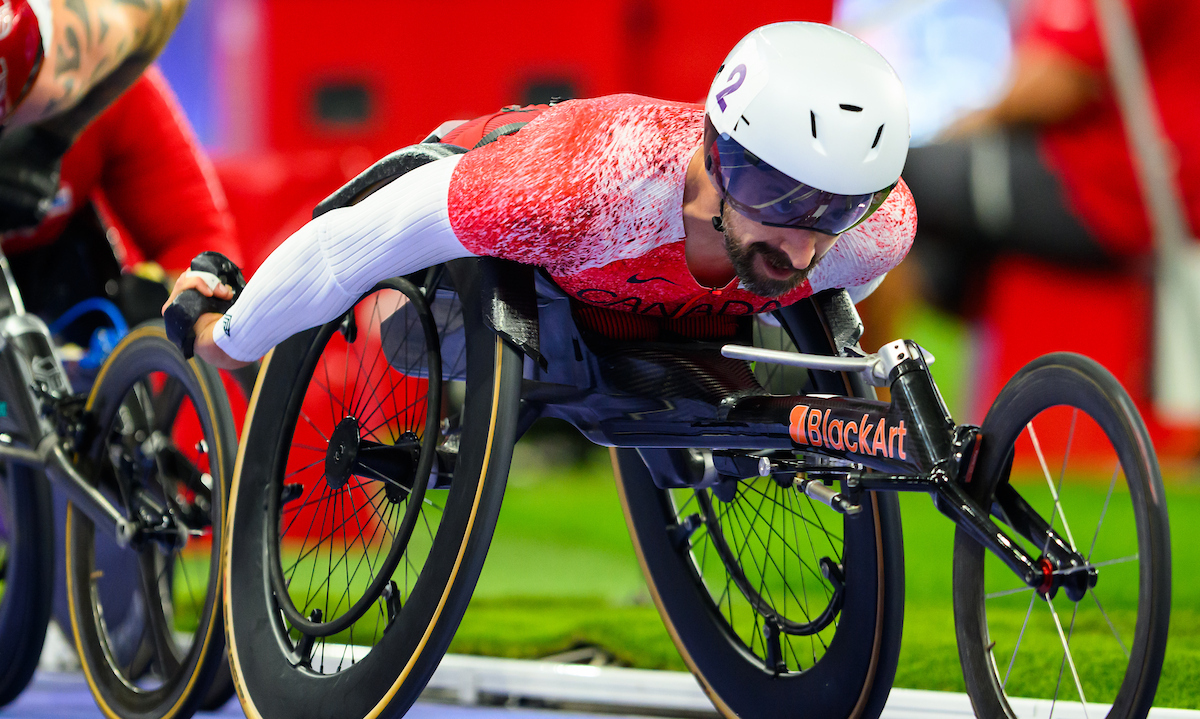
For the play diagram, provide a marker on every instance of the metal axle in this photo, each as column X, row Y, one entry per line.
column 876, row 367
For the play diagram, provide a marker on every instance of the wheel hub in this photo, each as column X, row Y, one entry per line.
column 1046, row 588
column 1075, row 581
column 403, row 464
column 342, row 453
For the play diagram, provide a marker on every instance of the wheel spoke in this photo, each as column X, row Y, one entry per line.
column 1050, row 482
column 1110, row 624
column 310, row 465
column 1090, row 565
column 333, row 414
column 313, row 424
column 160, row 631
column 1012, row 660
column 1063, row 664
column 1070, row 440
column 308, row 534
column 748, row 531
column 1104, row 510
column 380, row 477
column 1007, row 592
column 329, row 392
column 1067, row 652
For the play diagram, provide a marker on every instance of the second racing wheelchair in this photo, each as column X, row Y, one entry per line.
column 758, row 475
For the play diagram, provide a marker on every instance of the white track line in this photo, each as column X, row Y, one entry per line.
column 465, row 678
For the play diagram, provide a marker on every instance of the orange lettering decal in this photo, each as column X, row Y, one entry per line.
column 901, row 443
column 834, row 443
column 851, row 427
column 797, row 428
column 814, row 428
column 864, row 434
column 880, row 445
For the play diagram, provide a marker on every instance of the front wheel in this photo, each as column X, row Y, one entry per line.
column 748, row 586
column 1064, row 436
column 774, row 601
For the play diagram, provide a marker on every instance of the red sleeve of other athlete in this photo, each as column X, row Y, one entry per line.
column 158, row 180
column 1070, row 26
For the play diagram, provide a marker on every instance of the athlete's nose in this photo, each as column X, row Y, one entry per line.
column 800, row 246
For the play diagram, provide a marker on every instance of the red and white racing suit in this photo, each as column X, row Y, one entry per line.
column 590, row 190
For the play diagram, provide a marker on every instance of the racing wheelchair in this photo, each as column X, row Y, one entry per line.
column 758, row 475
column 145, row 459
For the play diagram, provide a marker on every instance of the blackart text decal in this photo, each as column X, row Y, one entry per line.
column 876, row 439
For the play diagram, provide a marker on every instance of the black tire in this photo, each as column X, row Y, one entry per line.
column 26, row 575
column 389, row 653
column 844, row 670
column 1089, row 433
column 164, row 431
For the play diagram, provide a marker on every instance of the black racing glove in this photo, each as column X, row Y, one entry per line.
column 30, row 165
column 182, row 314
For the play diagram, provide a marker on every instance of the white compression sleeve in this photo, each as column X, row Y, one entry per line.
column 321, row 270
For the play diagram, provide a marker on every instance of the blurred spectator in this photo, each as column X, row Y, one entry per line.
column 1046, row 171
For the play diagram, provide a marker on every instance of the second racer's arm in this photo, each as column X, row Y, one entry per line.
column 320, row 271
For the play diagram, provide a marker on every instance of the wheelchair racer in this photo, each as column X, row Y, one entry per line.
column 141, row 155
column 62, row 62
column 786, row 182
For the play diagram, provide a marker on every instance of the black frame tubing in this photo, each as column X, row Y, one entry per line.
column 911, row 443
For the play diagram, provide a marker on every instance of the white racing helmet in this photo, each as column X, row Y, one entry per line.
column 805, row 126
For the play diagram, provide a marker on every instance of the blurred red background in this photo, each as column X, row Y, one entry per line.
column 312, row 93
column 315, row 92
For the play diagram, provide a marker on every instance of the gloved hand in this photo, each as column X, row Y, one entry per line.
column 30, row 164
column 181, row 315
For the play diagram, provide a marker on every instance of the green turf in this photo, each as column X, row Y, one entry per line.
column 562, row 572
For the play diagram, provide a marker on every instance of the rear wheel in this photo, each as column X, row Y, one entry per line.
column 1065, row 437
column 772, row 599
column 731, row 629
column 163, row 453
column 379, row 446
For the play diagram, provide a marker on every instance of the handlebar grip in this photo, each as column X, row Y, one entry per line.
column 182, row 314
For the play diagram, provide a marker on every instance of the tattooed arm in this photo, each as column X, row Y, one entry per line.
column 95, row 50
column 98, row 49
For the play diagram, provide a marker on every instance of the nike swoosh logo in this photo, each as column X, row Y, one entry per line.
column 635, row 280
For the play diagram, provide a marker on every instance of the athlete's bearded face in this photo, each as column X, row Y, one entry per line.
column 766, row 258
